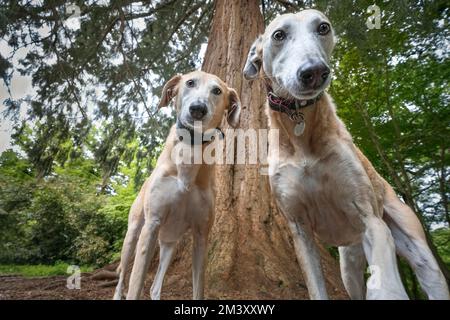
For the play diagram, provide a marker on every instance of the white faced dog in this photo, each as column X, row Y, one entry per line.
column 177, row 196
column 322, row 182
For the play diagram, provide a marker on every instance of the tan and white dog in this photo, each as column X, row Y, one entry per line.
column 178, row 196
column 322, row 182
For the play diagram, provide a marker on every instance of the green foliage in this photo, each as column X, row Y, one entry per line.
column 62, row 217
column 16, row 189
column 441, row 238
column 118, row 206
column 49, row 231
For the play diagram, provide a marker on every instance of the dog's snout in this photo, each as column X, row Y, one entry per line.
column 313, row 75
column 198, row 110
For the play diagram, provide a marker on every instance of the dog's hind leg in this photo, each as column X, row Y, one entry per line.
column 144, row 253
column 353, row 262
column 411, row 244
column 379, row 248
column 129, row 245
column 166, row 252
column 199, row 253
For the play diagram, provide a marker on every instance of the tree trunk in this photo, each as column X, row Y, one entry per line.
column 251, row 255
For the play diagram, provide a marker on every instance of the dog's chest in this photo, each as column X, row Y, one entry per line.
column 189, row 207
column 310, row 189
column 297, row 185
column 303, row 175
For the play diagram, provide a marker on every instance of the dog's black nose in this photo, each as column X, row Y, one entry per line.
column 198, row 110
column 313, row 75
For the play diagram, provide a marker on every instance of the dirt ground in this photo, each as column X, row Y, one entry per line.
column 54, row 288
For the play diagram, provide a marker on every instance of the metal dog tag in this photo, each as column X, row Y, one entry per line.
column 298, row 117
column 299, row 128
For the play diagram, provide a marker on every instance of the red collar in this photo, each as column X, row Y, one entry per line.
column 288, row 106
column 280, row 104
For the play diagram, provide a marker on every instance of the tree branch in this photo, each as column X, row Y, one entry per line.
column 288, row 5
column 125, row 62
column 174, row 30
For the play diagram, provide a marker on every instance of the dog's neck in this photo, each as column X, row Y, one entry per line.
column 320, row 123
column 195, row 137
column 290, row 106
column 194, row 171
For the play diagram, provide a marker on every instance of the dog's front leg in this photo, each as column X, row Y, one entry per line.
column 283, row 179
column 166, row 252
column 309, row 260
column 144, row 253
column 352, row 263
column 199, row 250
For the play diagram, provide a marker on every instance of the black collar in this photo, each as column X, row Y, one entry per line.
column 290, row 107
column 206, row 137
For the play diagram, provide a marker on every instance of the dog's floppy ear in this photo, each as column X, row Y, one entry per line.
column 254, row 60
column 234, row 108
column 169, row 91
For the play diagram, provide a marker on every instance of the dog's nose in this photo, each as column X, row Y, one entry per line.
column 198, row 110
column 313, row 75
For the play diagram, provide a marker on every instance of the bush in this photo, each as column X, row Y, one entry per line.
column 61, row 218
column 51, row 231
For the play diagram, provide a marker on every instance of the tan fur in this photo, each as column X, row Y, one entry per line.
column 323, row 183
column 176, row 197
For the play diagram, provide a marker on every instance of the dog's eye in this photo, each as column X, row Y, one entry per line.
column 324, row 28
column 279, row 35
column 190, row 83
column 216, row 91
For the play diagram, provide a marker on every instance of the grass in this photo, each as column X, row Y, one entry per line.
column 39, row 270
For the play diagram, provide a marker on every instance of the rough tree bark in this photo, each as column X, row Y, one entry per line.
column 250, row 251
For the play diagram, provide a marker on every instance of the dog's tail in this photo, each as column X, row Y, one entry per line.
column 411, row 243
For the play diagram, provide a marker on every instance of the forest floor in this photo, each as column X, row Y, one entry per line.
column 49, row 288
column 54, row 288
column 100, row 285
